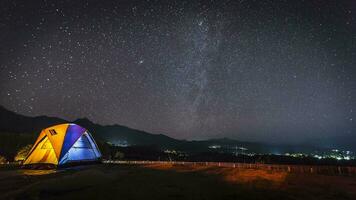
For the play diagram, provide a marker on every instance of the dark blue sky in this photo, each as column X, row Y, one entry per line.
column 276, row 71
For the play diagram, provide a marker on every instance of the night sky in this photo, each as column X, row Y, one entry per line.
column 280, row 71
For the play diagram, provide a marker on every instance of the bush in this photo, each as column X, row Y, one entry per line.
column 119, row 155
column 10, row 143
column 3, row 160
column 22, row 153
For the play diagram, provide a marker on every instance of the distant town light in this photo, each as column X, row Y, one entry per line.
column 214, row 147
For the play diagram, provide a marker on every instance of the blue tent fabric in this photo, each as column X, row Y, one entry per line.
column 82, row 150
column 73, row 134
column 78, row 145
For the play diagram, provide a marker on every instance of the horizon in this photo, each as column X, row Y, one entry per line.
column 301, row 144
column 253, row 71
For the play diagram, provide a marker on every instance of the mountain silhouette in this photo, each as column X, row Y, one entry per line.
column 119, row 135
column 115, row 134
column 16, row 123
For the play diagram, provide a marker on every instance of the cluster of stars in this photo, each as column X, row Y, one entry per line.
column 251, row 70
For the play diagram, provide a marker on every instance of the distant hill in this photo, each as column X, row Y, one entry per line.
column 12, row 122
column 16, row 123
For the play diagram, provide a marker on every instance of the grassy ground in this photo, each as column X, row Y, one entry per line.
column 170, row 182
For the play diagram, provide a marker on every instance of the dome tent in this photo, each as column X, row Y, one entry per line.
column 63, row 144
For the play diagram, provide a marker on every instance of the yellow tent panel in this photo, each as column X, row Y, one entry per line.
column 56, row 136
column 44, row 153
column 40, row 137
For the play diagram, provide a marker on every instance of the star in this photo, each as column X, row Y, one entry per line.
column 188, row 69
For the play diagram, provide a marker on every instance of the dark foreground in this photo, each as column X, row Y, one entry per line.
column 166, row 181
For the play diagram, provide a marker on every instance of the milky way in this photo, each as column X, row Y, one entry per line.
column 281, row 71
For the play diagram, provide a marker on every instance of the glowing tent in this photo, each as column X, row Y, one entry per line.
column 63, row 144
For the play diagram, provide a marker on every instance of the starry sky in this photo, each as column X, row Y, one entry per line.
column 281, row 71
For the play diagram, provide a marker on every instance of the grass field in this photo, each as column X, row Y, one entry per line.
column 167, row 181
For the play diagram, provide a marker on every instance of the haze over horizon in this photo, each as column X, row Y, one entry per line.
column 265, row 71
